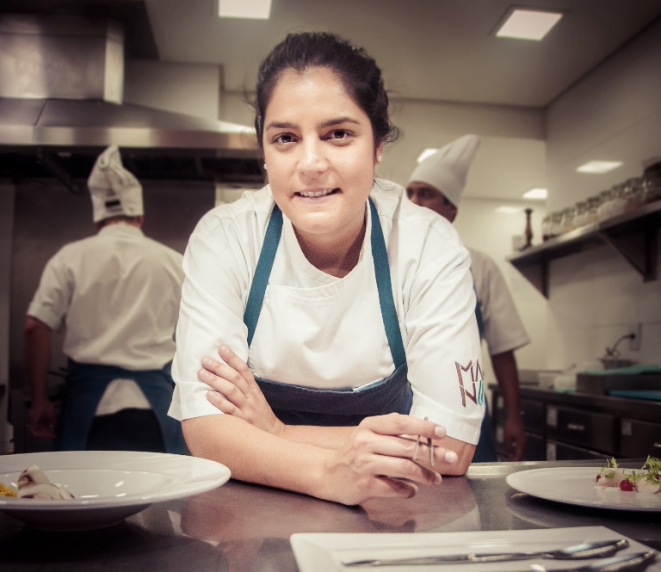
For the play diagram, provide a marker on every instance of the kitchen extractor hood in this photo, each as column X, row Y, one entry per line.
column 61, row 88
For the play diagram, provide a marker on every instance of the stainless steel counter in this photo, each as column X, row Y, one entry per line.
column 241, row 528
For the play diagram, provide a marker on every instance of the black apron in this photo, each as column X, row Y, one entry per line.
column 86, row 384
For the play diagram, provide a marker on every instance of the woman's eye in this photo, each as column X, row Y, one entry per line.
column 339, row 134
column 283, row 138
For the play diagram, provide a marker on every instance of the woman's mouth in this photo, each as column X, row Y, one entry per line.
column 317, row 193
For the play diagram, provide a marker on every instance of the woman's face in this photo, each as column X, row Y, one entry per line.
column 319, row 153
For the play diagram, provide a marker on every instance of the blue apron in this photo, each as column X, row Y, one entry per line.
column 299, row 405
column 86, row 384
column 485, row 452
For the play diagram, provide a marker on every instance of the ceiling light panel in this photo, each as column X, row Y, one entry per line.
column 537, row 194
column 528, row 24
column 252, row 9
column 599, row 167
column 507, row 210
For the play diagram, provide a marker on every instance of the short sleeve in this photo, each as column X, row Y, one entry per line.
column 443, row 350
column 53, row 296
column 503, row 329
column 217, row 279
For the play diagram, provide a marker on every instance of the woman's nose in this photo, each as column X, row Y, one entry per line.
column 312, row 159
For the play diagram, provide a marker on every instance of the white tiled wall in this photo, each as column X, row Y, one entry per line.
column 595, row 297
column 613, row 113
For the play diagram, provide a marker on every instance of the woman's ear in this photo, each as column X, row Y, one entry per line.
column 378, row 152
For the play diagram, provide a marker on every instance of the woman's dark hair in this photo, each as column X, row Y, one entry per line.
column 357, row 71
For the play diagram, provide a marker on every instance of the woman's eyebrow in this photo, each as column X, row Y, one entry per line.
column 339, row 121
column 279, row 125
column 329, row 123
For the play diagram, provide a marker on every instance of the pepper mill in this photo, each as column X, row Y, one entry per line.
column 528, row 231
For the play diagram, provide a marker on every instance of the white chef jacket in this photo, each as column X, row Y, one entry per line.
column 117, row 293
column 321, row 331
column 503, row 329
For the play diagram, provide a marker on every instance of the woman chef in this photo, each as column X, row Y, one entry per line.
column 344, row 314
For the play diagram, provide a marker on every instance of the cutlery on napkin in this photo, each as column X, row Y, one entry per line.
column 595, row 549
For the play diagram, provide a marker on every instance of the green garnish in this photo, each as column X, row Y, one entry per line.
column 653, row 468
column 610, row 464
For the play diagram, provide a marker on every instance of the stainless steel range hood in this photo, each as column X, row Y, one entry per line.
column 61, row 89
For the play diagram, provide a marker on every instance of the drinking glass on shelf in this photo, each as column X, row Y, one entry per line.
column 581, row 216
column 568, row 216
column 604, row 209
column 651, row 189
column 546, row 228
column 633, row 193
column 556, row 224
column 618, row 203
column 593, row 209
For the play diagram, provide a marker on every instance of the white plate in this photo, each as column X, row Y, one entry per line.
column 108, row 485
column 319, row 552
column 576, row 485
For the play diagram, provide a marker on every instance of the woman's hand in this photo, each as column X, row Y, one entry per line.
column 236, row 392
column 378, row 459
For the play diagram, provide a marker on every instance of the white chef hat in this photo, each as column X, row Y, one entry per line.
column 114, row 190
column 447, row 169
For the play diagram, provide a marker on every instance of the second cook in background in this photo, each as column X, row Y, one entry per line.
column 345, row 315
column 117, row 295
column 437, row 183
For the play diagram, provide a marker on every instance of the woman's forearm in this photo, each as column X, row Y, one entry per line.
column 254, row 455
column 326, row 437
column 375, row 460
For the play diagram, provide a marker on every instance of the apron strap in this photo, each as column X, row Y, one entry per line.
column 262, row 272
column 478, row 314
column 381, row 270
column 384, row 285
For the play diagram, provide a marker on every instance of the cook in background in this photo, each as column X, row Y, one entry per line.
column 117, row 294
column 437, row 183
column 339, row 309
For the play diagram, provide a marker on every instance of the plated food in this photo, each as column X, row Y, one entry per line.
column 646, row 480
column 6, row 491
column 108, row 486
column 34, row 484
column 577, row 486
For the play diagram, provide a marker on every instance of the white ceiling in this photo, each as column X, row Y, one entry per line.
column 433, row 50
column 436, row 50
column 428, row 49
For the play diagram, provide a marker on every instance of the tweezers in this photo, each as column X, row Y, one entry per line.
column 429, row 443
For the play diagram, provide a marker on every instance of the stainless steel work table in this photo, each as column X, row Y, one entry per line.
column 240, row 527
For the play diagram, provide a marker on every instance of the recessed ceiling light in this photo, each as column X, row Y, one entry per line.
column 253, row 9
column 537, row 193
column 426, row 153
column 508, row 210
column 599, row 166
column 528, row 24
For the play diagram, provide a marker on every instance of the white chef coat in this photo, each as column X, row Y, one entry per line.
column 321, row 331
column 117, row 293
column 503, row 329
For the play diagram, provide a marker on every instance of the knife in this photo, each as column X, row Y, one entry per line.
column 595, row 549
column 635, row 562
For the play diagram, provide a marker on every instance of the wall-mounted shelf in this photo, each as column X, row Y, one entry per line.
column 632, row 234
